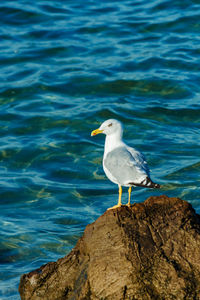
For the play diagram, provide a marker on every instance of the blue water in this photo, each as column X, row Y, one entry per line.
column 66, row 66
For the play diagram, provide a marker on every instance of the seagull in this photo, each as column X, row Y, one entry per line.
column 123, row 165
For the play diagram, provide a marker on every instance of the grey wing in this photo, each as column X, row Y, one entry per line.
column 124, row 167
column 140, row 159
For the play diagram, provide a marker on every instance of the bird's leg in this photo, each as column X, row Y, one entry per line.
column 129, row 196
column 119, row 204
column 120, row 196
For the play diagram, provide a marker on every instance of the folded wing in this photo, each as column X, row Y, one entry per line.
column 126, row 167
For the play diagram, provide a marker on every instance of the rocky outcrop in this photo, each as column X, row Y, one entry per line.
column 148, row 251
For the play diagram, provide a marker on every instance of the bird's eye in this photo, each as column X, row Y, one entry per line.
column 110, row 125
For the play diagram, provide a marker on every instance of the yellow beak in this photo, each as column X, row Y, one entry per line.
column 96, row 131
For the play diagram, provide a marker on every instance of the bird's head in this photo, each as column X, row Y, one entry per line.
column 109, row 127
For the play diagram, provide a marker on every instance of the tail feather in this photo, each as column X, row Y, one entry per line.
column 147, row 183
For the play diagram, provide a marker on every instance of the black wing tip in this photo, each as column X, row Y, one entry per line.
column 147, row 183
column 156, row 185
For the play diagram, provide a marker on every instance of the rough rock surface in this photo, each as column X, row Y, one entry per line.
column 148, row 251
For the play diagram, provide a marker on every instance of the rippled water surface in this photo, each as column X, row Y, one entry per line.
column 66, row 66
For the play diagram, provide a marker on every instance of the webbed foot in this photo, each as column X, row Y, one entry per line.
column 115, row 206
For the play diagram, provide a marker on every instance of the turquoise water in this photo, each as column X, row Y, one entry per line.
column 66, row 66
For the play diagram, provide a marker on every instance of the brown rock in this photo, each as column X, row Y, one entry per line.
column 148, row 251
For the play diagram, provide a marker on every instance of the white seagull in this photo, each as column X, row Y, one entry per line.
column 122, row 164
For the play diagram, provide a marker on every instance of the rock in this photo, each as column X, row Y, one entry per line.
column 148, row 251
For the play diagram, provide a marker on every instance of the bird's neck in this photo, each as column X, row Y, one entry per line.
column 113, row 141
